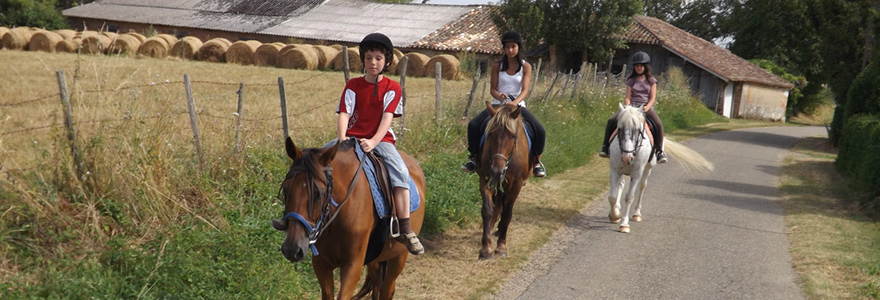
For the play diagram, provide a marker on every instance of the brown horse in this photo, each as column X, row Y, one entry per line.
column 504, row 166
column 337, row 229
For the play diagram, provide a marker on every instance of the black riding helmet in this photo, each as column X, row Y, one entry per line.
column 512, row 36
column 377, row 41
column 641, row 58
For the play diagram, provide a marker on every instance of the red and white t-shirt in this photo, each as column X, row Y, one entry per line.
column 366, row 109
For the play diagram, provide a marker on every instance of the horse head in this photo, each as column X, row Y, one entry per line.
column 306, row 192
column 630, row 131
column 501, row 138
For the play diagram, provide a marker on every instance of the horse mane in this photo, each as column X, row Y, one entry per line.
column 630, row 117
column 502, row 119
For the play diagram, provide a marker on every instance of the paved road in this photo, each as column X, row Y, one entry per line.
column 718, row 236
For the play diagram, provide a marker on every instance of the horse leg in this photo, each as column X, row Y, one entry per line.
column 324, row 273
column 635, row 179
column 349, row 274
column 386, row 287
column 506, row 217
column 617, row 184
column 488, row 213
column 637, row 215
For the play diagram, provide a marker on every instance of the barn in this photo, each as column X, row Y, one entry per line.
column 426, row 28
column 725, row 82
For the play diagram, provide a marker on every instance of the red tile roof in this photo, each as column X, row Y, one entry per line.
column 473, row 31
column 707, row 55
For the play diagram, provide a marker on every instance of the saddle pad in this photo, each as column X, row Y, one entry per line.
column 378, row 198
column 528, row 136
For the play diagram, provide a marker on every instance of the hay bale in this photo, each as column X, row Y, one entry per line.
column 95, row 44
column 44, row 41
column 124, row 44
column 3, row 30
column 84, row 34
column 186, row 47
column 17, row 38
column 354, row 61
column 338, row 47
column 415, row 66
column 448, row 63
column 139, row 36
column 242, row 52
column 67, row 34
column 213, row 50
column 169, row 39
column 267, row 54
column 111, row 35
column 68, row 46
column 393, row 68
column 325, row 54
column 288, row 64
column 300, row 58
column 155, row 47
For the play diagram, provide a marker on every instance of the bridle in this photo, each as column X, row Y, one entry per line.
column 324, row 195
column 507, row 158
column 639, row 139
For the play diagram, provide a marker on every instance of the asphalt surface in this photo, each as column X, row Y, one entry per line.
column 715, row 236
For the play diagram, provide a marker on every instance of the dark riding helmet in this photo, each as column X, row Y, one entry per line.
column 380, row 41
column 641, row 58
column 512, row 36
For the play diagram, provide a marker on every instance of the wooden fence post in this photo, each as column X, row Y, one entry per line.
column 402, row 67
column 191, row 106
column 565, row 85
column 551, row 87
column 467, row 110
column 535, row 78
column 346, row 66
column 283, row 105
column 438, row 113
column 68, row 122
column 240, row 93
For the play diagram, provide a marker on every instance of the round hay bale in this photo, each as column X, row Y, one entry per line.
column 17, row 38
column 186, row 47
column 84, row 34
column 138, row 36
column 300, row 58
column 338, row 47
column 213, row 50
column 169, row 39
column 44, row 41
column 95, row 44
column 155, row 47
column 242, row 52
column 66, row 33
column 68, row 46
column 267, row 54
column 111, row 35
column 448, row 63
column 288, row 64
column 415, row 65
column 325, row 54
column 124, row 44
column 393, row 68
column 354, row 61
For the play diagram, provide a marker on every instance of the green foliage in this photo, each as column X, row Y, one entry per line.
column 864, row 93
column 859, row 158
column 522, row 16
column 41, row 14
column 841, row 28
column 796, row 94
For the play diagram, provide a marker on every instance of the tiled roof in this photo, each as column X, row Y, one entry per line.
column 474, row 31
column 700, row 52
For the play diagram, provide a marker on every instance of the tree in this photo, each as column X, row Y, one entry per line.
column 522, row 16
column 31, row 13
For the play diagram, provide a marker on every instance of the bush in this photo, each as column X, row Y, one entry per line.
column 41, row 14
column 859, row 158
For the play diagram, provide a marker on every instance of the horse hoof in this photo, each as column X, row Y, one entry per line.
column 624, row 229
column 613, row 219
column 501, row 254
column 636, row 218
column 486, row 256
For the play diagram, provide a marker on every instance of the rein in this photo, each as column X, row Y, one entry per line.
column 319, row 228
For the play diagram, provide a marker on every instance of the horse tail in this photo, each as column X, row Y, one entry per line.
column 689, row 159
column 367, row 288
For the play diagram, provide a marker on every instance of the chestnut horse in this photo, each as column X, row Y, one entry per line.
column 504, row 166
column 329, row 210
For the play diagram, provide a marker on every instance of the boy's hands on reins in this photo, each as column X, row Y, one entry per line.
column 368, row 144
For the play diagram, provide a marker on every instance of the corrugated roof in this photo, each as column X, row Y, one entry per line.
column 173, row 17
column 473, row 31
column 351, row 20
column 702, row 53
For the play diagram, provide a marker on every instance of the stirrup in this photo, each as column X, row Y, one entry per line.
column 539, row 170
column 469, row 166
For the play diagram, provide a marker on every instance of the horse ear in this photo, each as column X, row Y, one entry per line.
column 329, row 154
column 490, row 109
column 292, row 151
column 515, row 113
column 279, row 225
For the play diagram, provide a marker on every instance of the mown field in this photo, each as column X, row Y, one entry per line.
column 145, row 219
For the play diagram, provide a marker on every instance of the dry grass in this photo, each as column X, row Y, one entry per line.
column 833, row 247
